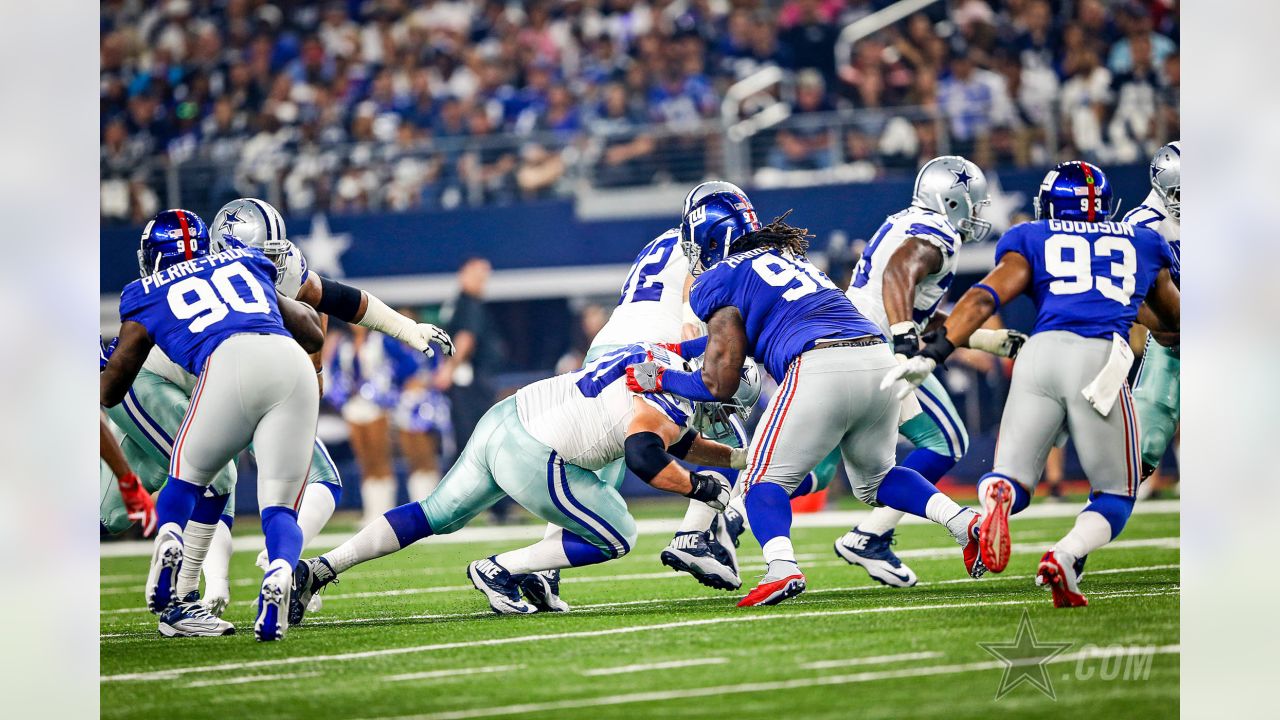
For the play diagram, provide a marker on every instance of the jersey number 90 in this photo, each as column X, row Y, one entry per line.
column 215, row 297
column 780, row 272
column 1075, row 268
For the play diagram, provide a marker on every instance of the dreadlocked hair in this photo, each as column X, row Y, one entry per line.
column 777, row 234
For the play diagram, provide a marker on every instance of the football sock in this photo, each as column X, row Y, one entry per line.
column 906, row 490
column 880, row 521
column 779, row 550
column 284, row 537
column 377, row 496
column 932, row 465
column 422, row 483
column 409, row 522
column 769, row 511
column 697, row 517
column 806, row 486
column 1021, row 497
column 579, row 552
column 218, row 561
column 375, row 540
column 946, row 512
column 1098, row 524
column 318, row 504
column 196, row 537
column 551, row 553
column 176, row 501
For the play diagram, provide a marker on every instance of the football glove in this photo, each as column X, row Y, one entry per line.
column 423, row 334
column 1004, row 342
column 138, row 503
column 645, row 377
column 105, row 351
column 906, row 338
column 908, row 375
column 711, row 489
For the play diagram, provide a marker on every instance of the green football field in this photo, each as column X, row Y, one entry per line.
column 407, row 636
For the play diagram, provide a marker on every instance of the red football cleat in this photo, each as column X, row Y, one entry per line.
column 972, row 554
column 1055, row 571
column 772, row 592
column 993, row 537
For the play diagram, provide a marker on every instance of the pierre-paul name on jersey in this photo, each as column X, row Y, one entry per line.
column 191, row 267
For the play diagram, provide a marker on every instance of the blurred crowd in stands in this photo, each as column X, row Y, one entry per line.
column 362, row 105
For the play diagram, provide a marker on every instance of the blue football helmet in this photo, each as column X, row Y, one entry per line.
column 1074, row 190
column 172, row 237
column 715, row 215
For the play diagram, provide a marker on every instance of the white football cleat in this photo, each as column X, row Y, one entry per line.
column 166, row 558
column 190, row 618
column 499, row 587
column 873, row 554
column 542, row 588
column 273, row 603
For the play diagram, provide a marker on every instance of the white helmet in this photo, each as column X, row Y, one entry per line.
column 1166, row 177
column 957, row 188
column 715, row 420
column 249, row 222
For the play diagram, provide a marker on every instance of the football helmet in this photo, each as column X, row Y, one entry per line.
column 1074, row 190
column 172, row 237
column 714, row 419
column 249, row 222
column 1166, row 177
column 957, row 188
column 715, row 214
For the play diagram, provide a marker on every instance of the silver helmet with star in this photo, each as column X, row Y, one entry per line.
column 1166, row 177
column 250, row 222
column 957, row 188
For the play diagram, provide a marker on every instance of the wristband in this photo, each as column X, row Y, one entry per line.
column 995, row 297
column 703, row 487
column 937, row 347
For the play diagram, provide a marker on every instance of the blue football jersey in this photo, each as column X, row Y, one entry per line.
column 788, row 305
column 1088, row 278
column 190, row 308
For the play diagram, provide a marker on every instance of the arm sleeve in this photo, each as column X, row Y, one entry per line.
column 687, row 385
column 694, row 348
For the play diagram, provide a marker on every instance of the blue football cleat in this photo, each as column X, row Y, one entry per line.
column 499, row 587
column 166, row 558
column 874, row 554
column 543, row 590
column 273, row 603
column 734, row 525
column 309, row 577
column 190, row 618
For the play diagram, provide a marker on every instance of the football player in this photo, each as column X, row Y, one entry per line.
column 899, row 284
column 1087, row 277
column 542, row 448
column 761, row 297
column 219, row 316
column 1156, row 393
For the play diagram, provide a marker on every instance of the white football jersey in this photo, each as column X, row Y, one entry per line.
column 1152, row 213
column 160, row 364
column 652, row 302
column 583, row 415
column 866, row 290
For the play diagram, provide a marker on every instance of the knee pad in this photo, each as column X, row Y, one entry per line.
column 1115, row 508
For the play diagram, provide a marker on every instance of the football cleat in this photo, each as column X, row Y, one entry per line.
column 1056, row 570
column 873, row 554
column 1077, row 567
column 734, row 525
column 993, row 538
column 190, row 618
column 309, row 577
column 499, row 587
column 273, row 603
column 972, row 553
column 216, row 601
column 783, row 580
column 542, row 589
column 691, row 552
column 166, row 558
column 723, row 543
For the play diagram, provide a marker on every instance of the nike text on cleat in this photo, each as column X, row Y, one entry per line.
column 542, row 589
column 273, row 603
column 772, row 592
column 873, row 554
column 499, row 587
column 166, row 558
column 309, row 577
column 993, row 537
column 1056, row 571
column 189, row 618
column 692, row 553
column 972, row 555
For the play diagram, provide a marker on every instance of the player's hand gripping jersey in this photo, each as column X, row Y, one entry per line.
column 650, row 307
column 867, row 287
column 1088, row 278
column 584, row 415
column 787, row 305
column 190, row 308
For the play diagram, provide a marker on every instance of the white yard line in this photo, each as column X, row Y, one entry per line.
column 586, row 608
column 641, row 667
column 456, row 672
column 776, row 685
column 825, row 519
column 749, row 616
column 248, row 679
column 873, row 660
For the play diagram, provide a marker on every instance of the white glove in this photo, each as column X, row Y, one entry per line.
column 738, row 458
column 423, row 334
column 419, row 336
column 908, row 375
column 1003, row 342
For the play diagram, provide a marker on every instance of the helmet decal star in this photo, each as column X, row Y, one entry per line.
column 962, row 178
column 232, row 218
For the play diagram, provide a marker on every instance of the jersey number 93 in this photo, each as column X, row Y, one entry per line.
column 1070, row 258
